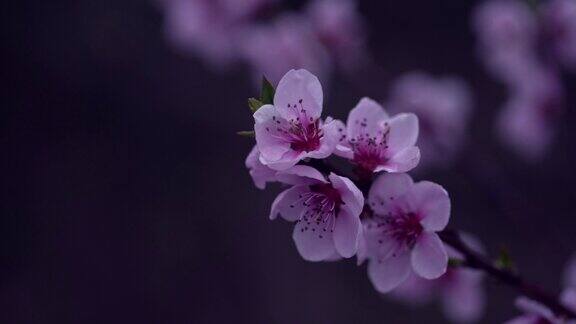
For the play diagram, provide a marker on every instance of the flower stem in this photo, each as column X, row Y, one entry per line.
column 477, row 261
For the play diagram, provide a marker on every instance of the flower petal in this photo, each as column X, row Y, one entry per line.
column 432, row 203
column 329, row 140
column 403, row 132
column 286, row 204
column 568, row 298
column 429, row 258
column 314, row 242
column 270, row 141
column 347, row 233
column 387, row 274
column 386, row 189
column 366, row 119
column 301, row 174
column 299, row 95
column 403, row 161
column 570, row 273
column 260, row 173
column 350, row 194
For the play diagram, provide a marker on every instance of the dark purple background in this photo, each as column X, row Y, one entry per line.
column 125, row 198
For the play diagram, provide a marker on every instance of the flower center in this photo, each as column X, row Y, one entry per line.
column 305, row 138
column 403, row 228
column 369, row 152
column 322, row 204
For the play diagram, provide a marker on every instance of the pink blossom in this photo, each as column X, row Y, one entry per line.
column 287, row 43
column 208, row 28
column 260, row 173
column 443, row 107
column 459, row 290
column 559, row 20
column 376, row 142
column 291, row 129
column 339, row 27
column 401, row 236
column 326, row 212
column 526, row 123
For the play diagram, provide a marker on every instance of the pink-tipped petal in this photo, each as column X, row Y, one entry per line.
column 350, row 194
column 429, row 257
column 403, row 132
column 387, row 274
column 299, row 94
column 365, row 118
column 347, row 232
column 432, row 203
column 403, row 161
column 386, row 189
column 288, row 204
column 314, row 242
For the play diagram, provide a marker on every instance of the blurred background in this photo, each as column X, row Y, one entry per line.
column 124, row 192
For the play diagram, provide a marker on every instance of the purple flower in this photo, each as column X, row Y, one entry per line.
column 260, row 173
column 400, row 237
column 376, row 142
column 291, row 129
column 326, row 212
column 443, row 107
column 338, row 26
column 559, row 20
column 527, row 121
column 459, row 290
column 287, row 43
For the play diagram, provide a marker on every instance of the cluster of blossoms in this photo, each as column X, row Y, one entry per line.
column 525, row 48
column 392, row 225
column 380, row 215
column 326, row 33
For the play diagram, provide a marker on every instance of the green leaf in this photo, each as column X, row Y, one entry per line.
column 267, row 92
column 246, row 133
column 504, row 260
column 454, row 263
column 254, row 104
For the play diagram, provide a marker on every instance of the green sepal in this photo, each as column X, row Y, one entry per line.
column 246, row 133
column 267, row 92
column 254, row 104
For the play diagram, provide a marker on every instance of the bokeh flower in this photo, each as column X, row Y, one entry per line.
column 443, row 106
column 326, row 212
column 400, row 236
column 291, row 129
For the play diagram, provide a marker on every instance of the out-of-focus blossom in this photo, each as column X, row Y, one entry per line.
column 559, row 20
column 527, row 121
column 326, row 212
column 209, row 28
column 287, row 43
column 291, row 129
column 400, row 236
column 339, row 27
column 507, row 31
column 375, row 142
column 535, row 313
column 260, row 173
column 443, row 107
column 459, row 290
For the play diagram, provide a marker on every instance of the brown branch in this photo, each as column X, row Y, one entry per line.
column 477, row 261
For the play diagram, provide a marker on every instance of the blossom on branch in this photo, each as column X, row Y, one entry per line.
column 326, row 211
column 400, row 236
